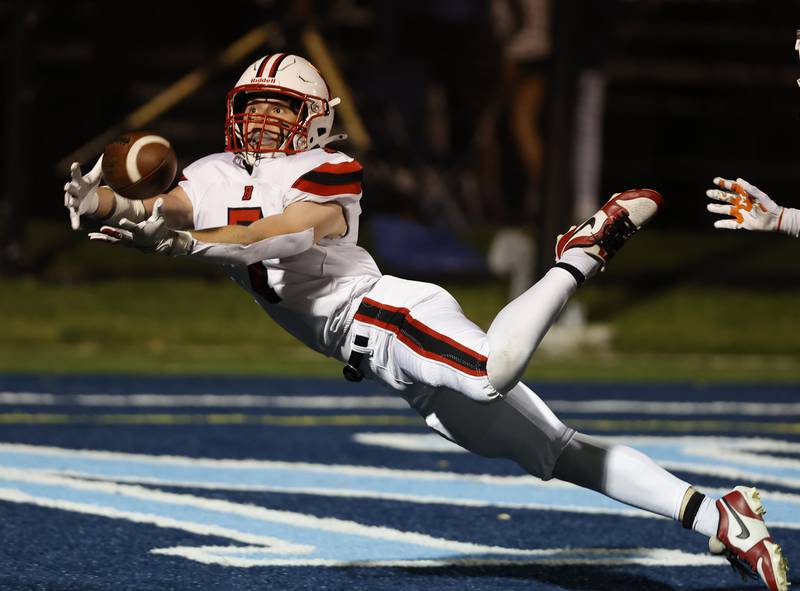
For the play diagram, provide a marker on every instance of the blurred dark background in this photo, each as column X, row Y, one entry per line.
column 481, row 115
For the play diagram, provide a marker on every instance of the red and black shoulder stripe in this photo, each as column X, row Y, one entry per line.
column 329, row 179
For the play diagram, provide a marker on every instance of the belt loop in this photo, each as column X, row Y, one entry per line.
column 352, row 371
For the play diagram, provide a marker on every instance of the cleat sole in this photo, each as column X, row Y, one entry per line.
column 753, row 498
column 780, row 565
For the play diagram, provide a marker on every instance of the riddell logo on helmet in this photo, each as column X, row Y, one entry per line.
column 263, row 81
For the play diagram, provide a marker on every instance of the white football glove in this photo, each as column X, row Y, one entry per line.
column 151, row 235
column 749, row 207
column 80, row 193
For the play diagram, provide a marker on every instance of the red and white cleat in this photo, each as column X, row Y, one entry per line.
column 603, row 234
column 743, row 538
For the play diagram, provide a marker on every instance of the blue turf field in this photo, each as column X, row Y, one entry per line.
column 212, row 483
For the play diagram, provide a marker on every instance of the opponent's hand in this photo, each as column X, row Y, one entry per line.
column 749, row 207
column 151, row 235
column 80, row 193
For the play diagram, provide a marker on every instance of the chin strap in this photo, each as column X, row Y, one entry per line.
column 332, row 138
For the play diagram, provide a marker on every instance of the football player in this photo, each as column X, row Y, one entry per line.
column 749, row 207
column 280, row 211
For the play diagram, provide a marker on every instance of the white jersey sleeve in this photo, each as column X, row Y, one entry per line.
column 200, row 179
column 330, row 177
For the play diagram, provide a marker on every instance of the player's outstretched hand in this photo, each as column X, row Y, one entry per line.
column 151, row 235
column 749, row 207
column 80, row 192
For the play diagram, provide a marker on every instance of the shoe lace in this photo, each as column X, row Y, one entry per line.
column 739, row 566
column 617, row 233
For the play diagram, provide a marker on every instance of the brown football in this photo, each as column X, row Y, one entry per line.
column 139, row 164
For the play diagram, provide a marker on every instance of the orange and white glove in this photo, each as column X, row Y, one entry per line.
column 750, row 209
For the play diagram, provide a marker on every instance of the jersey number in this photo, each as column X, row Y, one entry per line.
column 259, row 276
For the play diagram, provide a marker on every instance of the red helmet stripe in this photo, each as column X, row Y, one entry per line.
column 262, row 66
column 274, row 69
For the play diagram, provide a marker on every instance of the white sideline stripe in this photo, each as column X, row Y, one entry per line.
column 751, row 443
column 730, row 473
column 350, row 470
column 716, row 407
column 719, row 407
column 266, row 543
column 560, row 557
column 253, row 512
column 346, row 469
column 428, row 442
column 354, row 470
column 269, row 545
column 273, row 545
column 204, row 400
column 726, row 449
column 131, row 165
column 362, row 494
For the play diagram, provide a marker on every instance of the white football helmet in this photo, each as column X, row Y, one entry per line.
column 290, row 78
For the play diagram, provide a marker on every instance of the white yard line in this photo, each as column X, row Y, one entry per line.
column 660, row 408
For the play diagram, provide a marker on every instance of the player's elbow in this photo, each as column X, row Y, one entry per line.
column 332, row 225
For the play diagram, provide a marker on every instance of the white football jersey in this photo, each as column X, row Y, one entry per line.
column 313, row 294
